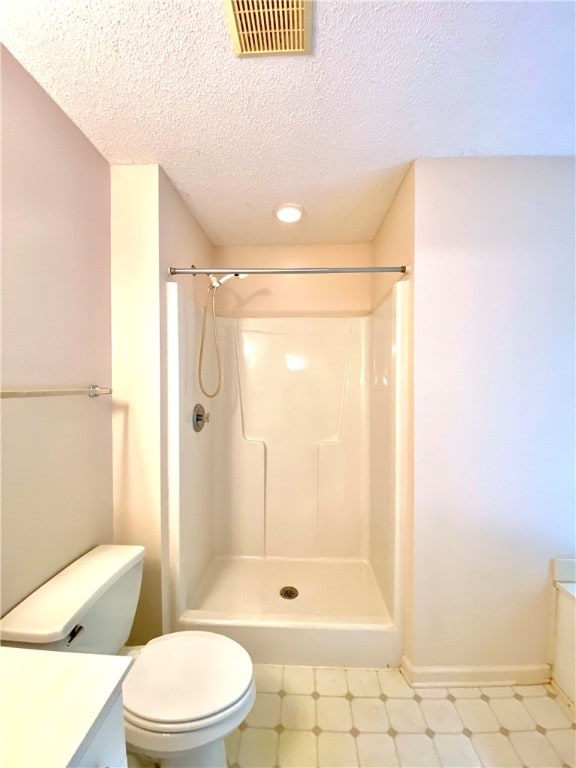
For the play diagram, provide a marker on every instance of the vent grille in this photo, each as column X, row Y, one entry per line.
column 270, row 26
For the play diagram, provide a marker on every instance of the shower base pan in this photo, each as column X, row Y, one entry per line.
column 339, row 617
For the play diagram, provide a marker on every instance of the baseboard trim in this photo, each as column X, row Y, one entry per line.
column 520, row 674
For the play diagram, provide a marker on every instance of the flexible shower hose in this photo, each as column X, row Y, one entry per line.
column 211, row 289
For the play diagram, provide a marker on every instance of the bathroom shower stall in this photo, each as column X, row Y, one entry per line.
column 286, row 507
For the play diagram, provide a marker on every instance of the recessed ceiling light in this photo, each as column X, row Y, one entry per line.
column 289, row 213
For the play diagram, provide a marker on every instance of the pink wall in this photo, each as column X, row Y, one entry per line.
column 56, row 469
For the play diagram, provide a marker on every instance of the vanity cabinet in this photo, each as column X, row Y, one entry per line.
column 61, row 709
column 106, row 748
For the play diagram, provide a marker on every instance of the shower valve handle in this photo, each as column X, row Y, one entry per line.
column 199, row 417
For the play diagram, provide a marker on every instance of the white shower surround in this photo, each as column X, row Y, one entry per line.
column 294, row 481
column 291, row 438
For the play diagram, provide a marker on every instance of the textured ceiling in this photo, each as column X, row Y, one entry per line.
column 155, row 81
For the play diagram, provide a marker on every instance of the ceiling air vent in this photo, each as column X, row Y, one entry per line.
column 270, row 26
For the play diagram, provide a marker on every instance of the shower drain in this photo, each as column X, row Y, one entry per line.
column 289, row 593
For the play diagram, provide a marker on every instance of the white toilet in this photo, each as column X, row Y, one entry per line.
column 185, row 692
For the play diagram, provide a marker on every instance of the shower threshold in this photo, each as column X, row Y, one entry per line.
column 338, row 617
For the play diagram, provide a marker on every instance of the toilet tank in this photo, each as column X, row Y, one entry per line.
column 86, row 608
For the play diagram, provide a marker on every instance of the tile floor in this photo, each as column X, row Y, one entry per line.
column 308, row 717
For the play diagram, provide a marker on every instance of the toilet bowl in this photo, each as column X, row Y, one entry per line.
column 184, row 694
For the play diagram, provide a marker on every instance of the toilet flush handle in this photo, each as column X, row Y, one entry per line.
column 77, row 630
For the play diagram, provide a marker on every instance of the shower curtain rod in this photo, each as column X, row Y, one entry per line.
column 283, row 270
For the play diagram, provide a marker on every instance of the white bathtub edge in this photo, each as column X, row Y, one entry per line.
column 564, row 569
column 564, row 664
column 568, row 587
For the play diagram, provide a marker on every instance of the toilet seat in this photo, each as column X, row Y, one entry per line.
column 190, row 725
column 157, row 697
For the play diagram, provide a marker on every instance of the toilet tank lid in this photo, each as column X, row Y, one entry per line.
column 52, row 611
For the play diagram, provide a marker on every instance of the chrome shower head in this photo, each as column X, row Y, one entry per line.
column 216, row 282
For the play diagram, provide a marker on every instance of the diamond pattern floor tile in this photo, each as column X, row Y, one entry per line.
column 366, row 718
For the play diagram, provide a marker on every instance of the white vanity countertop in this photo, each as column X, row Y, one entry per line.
column 50, row 701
